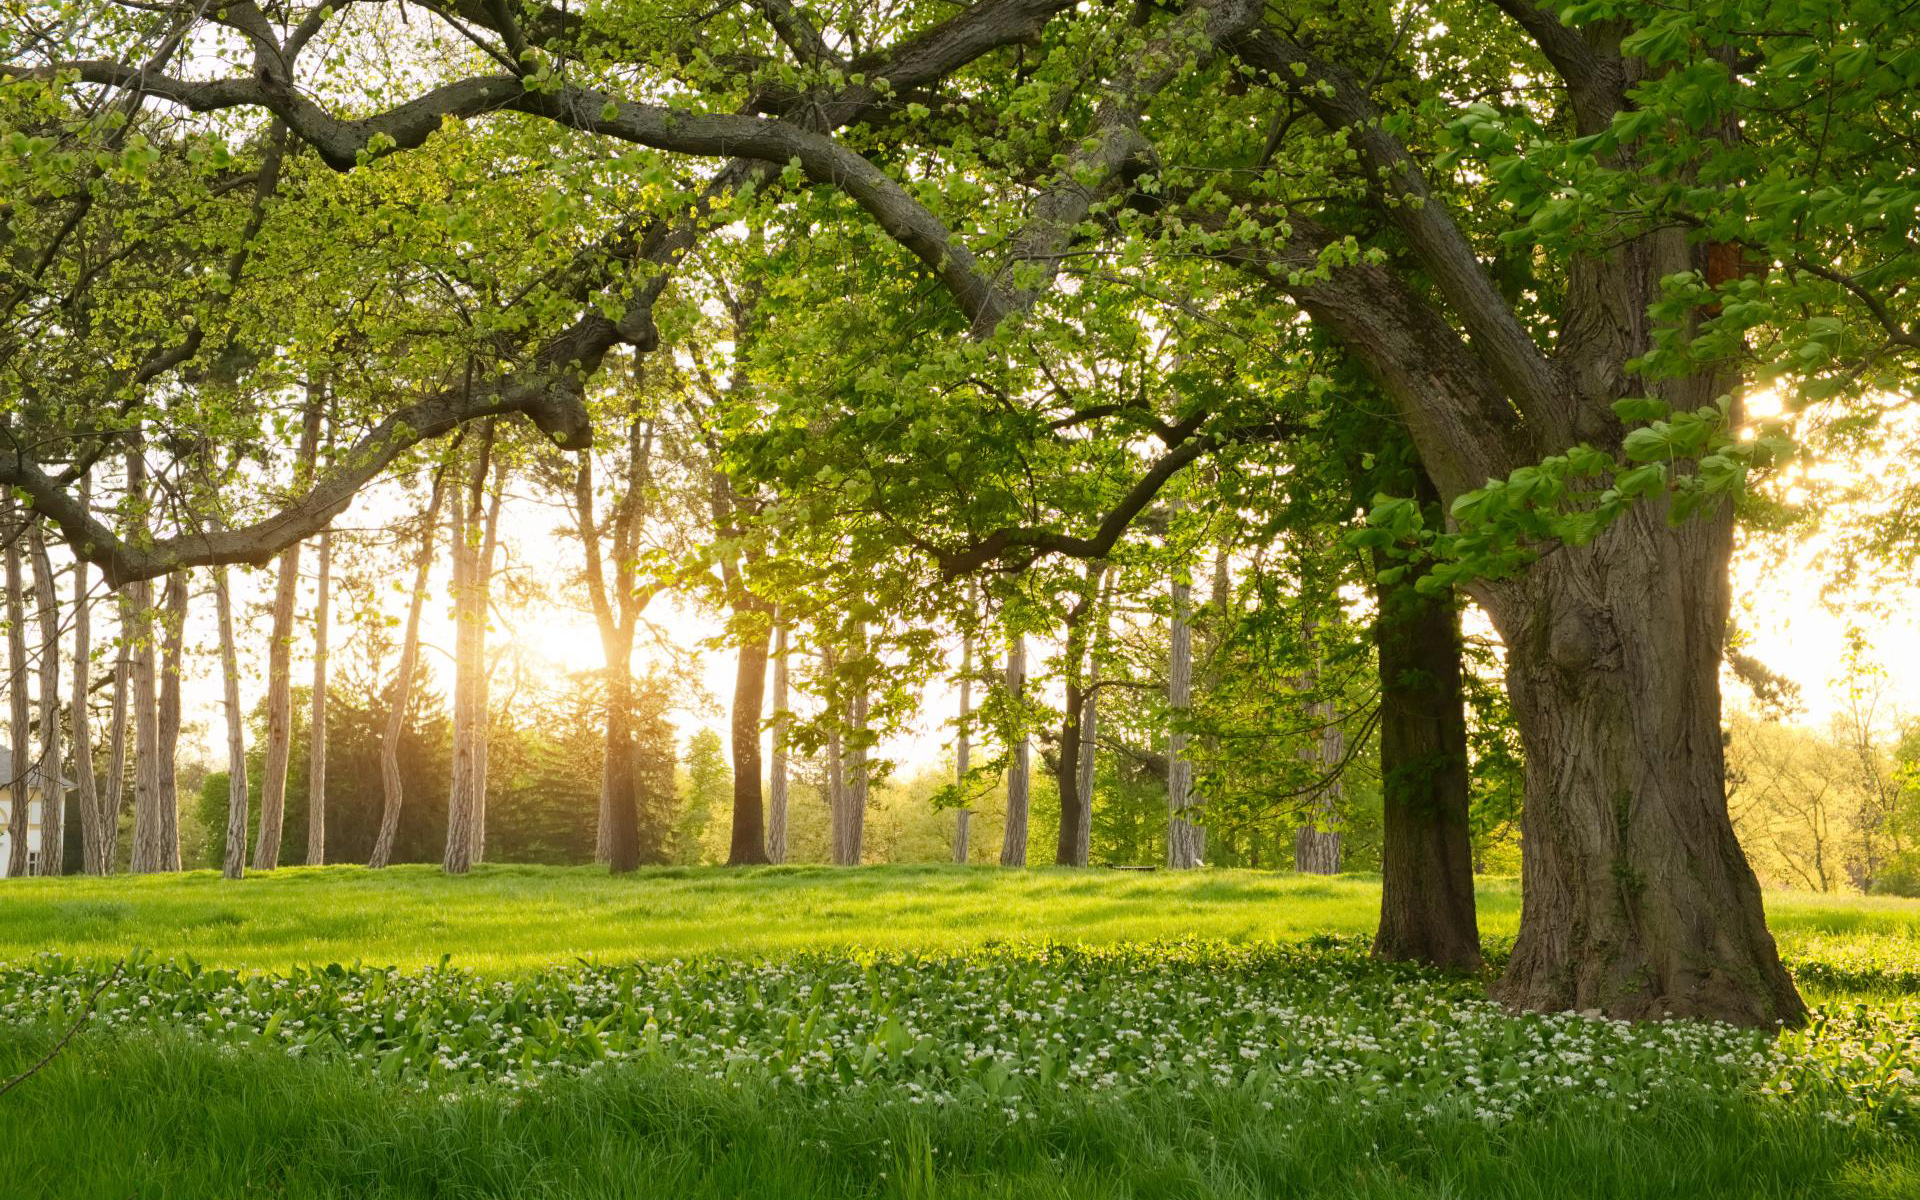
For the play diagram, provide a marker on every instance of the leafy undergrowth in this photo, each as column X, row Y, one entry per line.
column 1010, row 1029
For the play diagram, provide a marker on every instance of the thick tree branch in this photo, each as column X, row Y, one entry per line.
column 1423, row 217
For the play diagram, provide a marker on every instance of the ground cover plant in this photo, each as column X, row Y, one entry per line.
column 989, row 1064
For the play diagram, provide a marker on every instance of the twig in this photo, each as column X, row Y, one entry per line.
column 86, row 1013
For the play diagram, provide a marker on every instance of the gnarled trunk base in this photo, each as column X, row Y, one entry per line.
column 1638, row 901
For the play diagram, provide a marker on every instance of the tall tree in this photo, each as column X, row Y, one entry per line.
column 19, row 815
column 53, row 816
column 400, row 693
column 1013, row 844
column 963, row 747
column 113, row 798
column 233, row 865
column 611, row 546
column 96, row 856
column 273, row 785
column 172, row 664
column 1186, row 838
column 777, row 782
column 317, row 719
column 475, row 525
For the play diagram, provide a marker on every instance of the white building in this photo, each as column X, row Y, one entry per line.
column 36, row 808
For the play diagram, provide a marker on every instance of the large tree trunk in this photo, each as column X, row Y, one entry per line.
column 317, row 717
column 53, row 811
column 96, row 856
column 749, row 842
column 233, row 866
column 1013, row 845
column 1637, row 899
column 1426, row 854
column 1186, row 838
column 172, row 663
column 392, row 795
column 777, row 785
column 19, row 793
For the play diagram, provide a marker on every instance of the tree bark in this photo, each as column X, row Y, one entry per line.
column 53, row 810
column 1013, row 845
column 273, row 786
column 19, row 793
column 777, row 786
column 1426, row 855
column 233, row 865
column 96, row 856
column 749, row 842
column 1186, row 839
column 317, row 718
column 392, row 793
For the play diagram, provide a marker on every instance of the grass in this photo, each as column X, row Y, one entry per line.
column 892, row 1033
column 503, row 919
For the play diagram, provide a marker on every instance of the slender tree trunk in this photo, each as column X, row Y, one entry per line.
column 480, row 715
column 1090, row 719
column 233, row 866
column 1066, row 770
column 149, row 849
column 777, row 787
column 172, row 654
column 273, row 786
column 1186, row 840
column 317, row 721
column 1637, row 899
column 1013, row 846
column 392, row 795
column 1426, row 854
column 19, row 789
column 837, row 797
column 856, row 781
column 95, row 857
column 113, row 801
column 963, row 748
column 459, row 849
column 749, row 844
column 53, row 813
column 616, row 611
column 279, row 752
